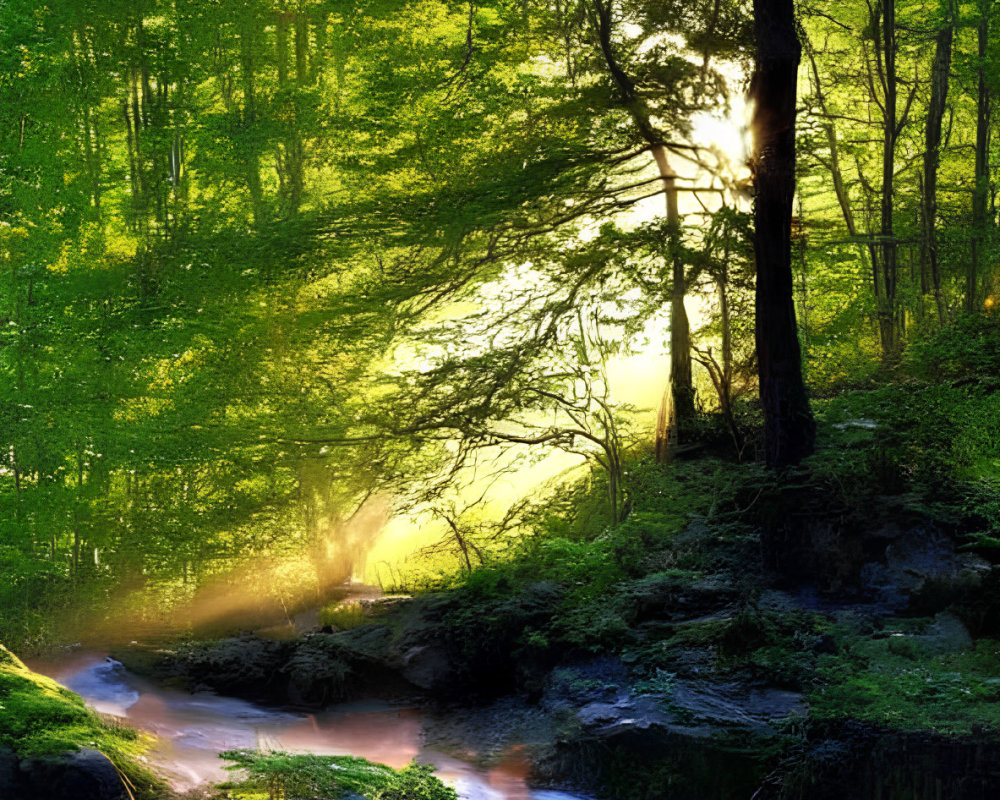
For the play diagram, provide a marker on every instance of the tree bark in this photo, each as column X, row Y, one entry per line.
column 789, row 428
column 888, row 254
column 681, row 383
column 932, row 153
column 252, row 165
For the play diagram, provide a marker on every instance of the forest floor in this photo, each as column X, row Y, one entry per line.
column 831, row 631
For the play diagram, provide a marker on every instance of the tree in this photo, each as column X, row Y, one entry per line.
column 660, row 113
column 789, row 428
column 940, row 77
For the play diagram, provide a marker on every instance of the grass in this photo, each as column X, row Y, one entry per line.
column 343, row 615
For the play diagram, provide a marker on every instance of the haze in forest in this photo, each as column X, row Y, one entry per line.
column 269, row 266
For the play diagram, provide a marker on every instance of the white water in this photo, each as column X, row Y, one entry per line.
column 192, row 729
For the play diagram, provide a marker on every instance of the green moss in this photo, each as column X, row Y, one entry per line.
column 333, row 777
column 38, row 717
column 894, row 682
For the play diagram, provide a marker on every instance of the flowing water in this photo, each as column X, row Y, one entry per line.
column 192, row 729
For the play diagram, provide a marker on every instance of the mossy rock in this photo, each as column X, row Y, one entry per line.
column 52, row 746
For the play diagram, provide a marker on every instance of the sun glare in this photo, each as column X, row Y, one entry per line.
column 727, row 133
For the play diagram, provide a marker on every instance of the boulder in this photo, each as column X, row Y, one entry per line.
column 245, row 666
column 669, row 597
column 947, row 634
column 9, row 774
column 426, row 666
column 83, row 775
column 922, row 569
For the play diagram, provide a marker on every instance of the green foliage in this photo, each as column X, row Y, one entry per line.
column 260, row 264
column 965, row 352
column 661, row 683
column 305, row 777
column 929, row 437
column 897, row 683
column 343, row 615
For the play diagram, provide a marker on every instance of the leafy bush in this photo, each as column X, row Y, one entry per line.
column 883, row 682
column 968, row 350
column 343, row 615
column 927, row 437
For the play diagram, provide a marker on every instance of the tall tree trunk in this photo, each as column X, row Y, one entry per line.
column 789, row 428
column 290, row 154
column 980, row 196
column 301, row 48
column 680, row 327
column 317, row 58
column 932, row 154
column 281, row 44
column 888, row 254
column 681, row 390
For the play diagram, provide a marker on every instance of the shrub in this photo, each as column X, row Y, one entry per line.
column 968, row 350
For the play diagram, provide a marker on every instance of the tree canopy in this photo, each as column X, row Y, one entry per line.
column 270, row 268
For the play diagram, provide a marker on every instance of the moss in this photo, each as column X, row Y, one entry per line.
column 38, row 717
column 290, row 775
column 895, row 683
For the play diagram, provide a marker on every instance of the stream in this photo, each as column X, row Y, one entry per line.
column 191, row 730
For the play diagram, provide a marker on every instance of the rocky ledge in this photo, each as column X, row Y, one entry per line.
column 773, row 672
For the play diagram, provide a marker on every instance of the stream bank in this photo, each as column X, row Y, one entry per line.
column 833, row 631
column 192, row 729
column 734, row 654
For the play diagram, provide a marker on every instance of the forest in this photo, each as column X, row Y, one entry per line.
column 499, row 399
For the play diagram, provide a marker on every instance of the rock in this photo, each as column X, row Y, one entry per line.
column 317, row 671
column 850, row 759
column 426, row 666
column 472, row 642
column 83, row 775
column 733, row 705
column 245, row 666
column 663, row 596
column 947, row 634
column 702, row 738
column 615, row 745
column 368, row 643
column 627, row 714
column 922, row 568
column 8, row 773
column 574, row 685
column 324, row 668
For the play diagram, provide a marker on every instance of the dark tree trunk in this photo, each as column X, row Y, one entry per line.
column 789, row 428
column 932, row 152
column 889, row 253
